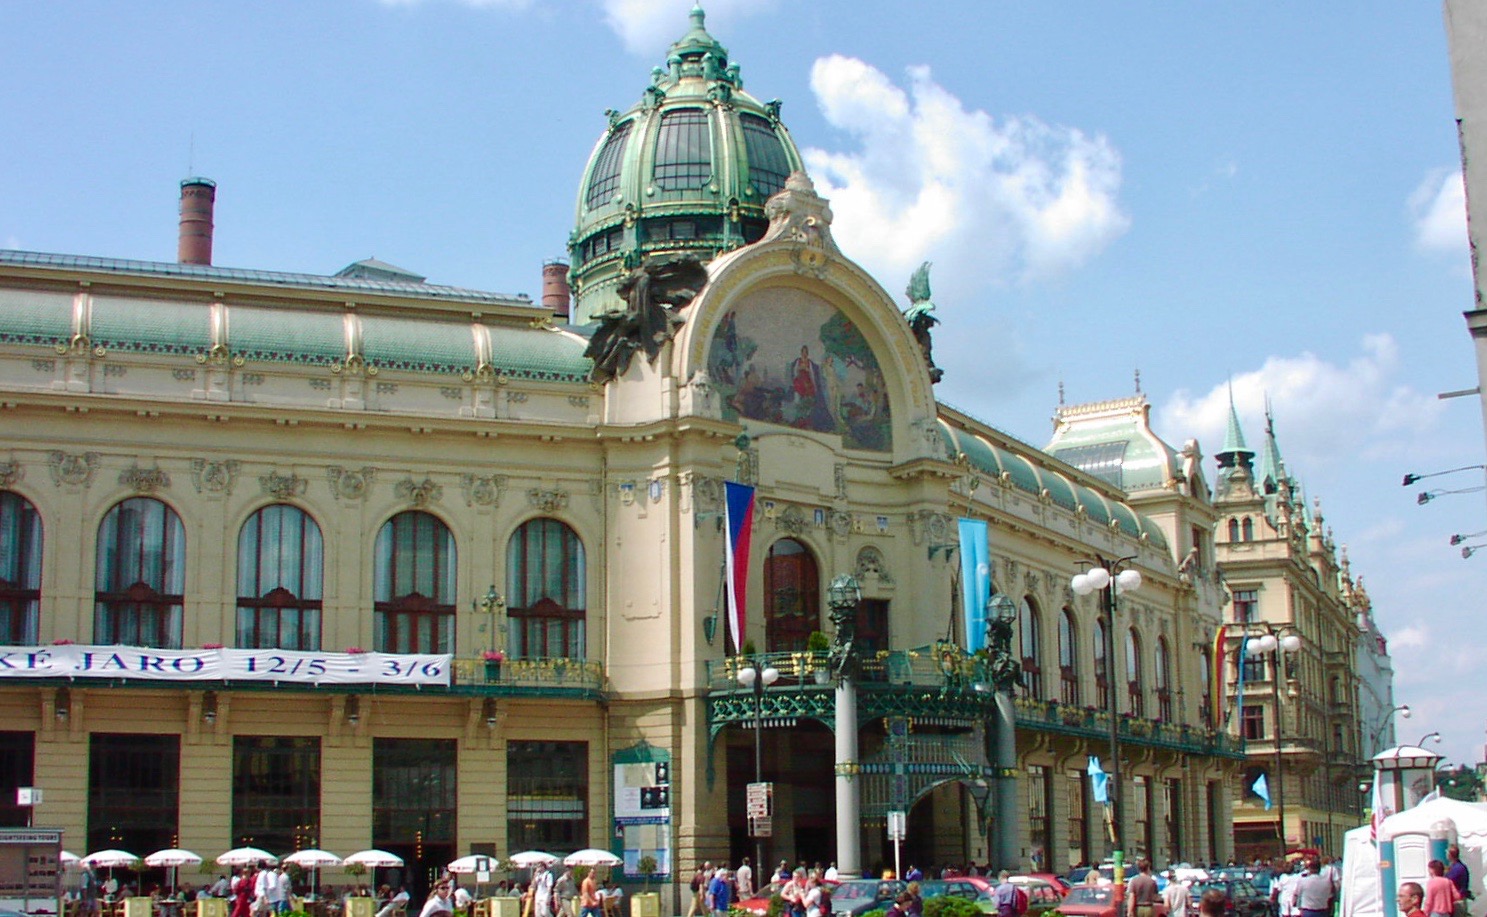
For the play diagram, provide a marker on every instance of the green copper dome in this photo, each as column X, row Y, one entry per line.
column 686, row 169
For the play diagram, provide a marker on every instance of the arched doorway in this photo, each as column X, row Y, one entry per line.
column 792, row 596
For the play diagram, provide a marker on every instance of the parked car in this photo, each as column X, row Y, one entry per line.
column 1042, row 896
column 972, row 888
column 858, row 896
column 1079, row 874
column 1057, row 881
column 1096, row 901
column 1242, row 898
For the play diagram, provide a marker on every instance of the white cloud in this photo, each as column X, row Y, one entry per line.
column 1406, row 637
column 1322, row 409
column 930, row 180
column 1438, row 209
column 648, row 27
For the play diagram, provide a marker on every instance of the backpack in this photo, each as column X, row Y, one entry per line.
column 1019, row 904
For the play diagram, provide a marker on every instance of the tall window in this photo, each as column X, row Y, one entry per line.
column 1076, row 799
column 1102, row 667
column 133, row 791
column 276, row 792
column 281, row 562
column 413, row 585
column 684, row 150
column 20, row 570
column 1039, row 804
column 1135, row 686
column 17, row 769
column 1172, row 810
column 1068, row 657
column 1142, row 797
column 1246, row 602
column 1205, row 706
column 1248, row 529
column 792, row 596
column 1164, row 681
column 605, row 180
column 1252, row 722
column 414, row 802
column 547, row 795
column 872, row 627
column 141, row 575
column 1030, row 639
column 546, row 574
column 1254, row 666
column 768, row 164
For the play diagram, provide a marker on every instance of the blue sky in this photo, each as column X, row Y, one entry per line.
column 1257, row 193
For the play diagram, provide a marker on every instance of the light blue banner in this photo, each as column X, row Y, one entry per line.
column 975, row 580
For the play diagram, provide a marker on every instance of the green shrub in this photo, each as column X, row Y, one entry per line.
column 950, row 906
column 776, row 906
column 817, row 642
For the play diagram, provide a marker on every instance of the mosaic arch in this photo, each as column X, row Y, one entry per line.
column 784, row 356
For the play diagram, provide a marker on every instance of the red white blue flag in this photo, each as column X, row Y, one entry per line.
column 738, row 515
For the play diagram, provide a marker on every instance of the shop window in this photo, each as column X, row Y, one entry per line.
column 133, row 791
column 141, row 575
column 547, row 794
column 17, row 769
column 276, row 792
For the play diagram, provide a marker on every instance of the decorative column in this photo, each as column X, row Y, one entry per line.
column 843, row 595
column 1005, row 673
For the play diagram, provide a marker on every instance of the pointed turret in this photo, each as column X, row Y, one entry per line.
column 1235, row 453
column 1272, row 467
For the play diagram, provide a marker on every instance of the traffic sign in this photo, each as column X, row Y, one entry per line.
column 762, row 826
column 759, row 800
column 898, row 825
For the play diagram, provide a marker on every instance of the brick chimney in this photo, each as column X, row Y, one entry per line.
column 555, row 292
column 198, row 198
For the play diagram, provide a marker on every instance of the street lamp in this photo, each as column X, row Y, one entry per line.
column 1001, row 734
column 844, row 595
column 1112, row 581
column 488, row 604
column 756, row 679
column 1378, row 734
column 1412, row 478
column 1427, row 736
column 1272, row 645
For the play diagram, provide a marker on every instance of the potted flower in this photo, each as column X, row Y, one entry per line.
column 493, row 660
column 818, row 647
column 355, row 650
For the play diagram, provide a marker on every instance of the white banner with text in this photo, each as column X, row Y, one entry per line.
column 143, row 663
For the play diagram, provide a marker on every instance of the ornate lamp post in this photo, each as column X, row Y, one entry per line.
column 1002, row 736
column 1273, row 643
column 756, row 680
column 1111, row 581
column 488, row 604
column 843, row 596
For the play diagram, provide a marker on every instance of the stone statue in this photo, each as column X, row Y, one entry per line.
column 1003, row 667
column 920, row 318
column 654, row 294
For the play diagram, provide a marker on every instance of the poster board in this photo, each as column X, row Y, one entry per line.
column 642, row 807
column 31, row 870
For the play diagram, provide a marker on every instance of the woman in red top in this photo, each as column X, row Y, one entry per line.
column 242, row 893
column 1440, row 893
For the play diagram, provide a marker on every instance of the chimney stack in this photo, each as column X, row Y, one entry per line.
column 198, row 198
column 555, row 292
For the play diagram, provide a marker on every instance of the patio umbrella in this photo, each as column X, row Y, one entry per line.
column 313, row 860
column 592, row 857
column 69, row 860
column 374, row 859
column 529, row 858
column 108, row 859
column 466, row 866
column 172, row 858
column 246, row 856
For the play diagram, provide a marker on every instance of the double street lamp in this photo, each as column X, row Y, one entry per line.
column 1111, row 581
column 756, row 679
column 1273, row 643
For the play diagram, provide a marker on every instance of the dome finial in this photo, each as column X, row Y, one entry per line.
column 698, row 16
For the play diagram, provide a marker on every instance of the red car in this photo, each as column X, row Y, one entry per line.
column 759, row 904
column 1056, row 881
column 1096, row 901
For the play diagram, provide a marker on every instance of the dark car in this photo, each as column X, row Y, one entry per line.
column 1241, row 897
column 858, row 896
column 1096, row 901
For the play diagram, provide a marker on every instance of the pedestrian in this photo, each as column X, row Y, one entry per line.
column 89, row 892
column 1176, row 896
column 1409, row 898
column 1314, row 892
column 438, row 903
column 744, row 877
column 1005, row 895
column 1440, row 892
column 540, row 891
column 589, row 902
column 719, row 893
column 242, row 893
column 1283, row 892
column 1213, row 903
column 700, row 880
column 1141, row 891
column 1457, row 872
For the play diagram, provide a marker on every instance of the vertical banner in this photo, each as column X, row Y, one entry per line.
column 738, row 516
column 975, row 581
column 1217, row 665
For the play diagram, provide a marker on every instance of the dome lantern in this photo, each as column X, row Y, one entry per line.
column 687, row 169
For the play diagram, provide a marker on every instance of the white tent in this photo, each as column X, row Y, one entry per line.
column 1464, row 823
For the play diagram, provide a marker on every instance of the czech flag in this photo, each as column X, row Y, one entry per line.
column 738, row 514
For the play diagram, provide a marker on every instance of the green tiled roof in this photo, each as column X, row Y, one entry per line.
column 285, row 336
column 162, row 327
column 35, row 317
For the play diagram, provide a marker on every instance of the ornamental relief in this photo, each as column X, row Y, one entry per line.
column 347, row 484
column 841, row 523
column 870, row 563
column 10, row 473
column 418, row 493
column 144, row 480
column 283, row 486
column 214, row 477
column 548, row 501
column 72, row 470
column 482, row 490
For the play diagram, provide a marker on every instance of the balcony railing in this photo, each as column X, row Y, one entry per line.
column 533, row 676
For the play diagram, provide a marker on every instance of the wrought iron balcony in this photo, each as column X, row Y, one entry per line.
column 939, row 684
column 533, row 677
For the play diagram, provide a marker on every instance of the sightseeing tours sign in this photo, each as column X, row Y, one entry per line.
column 75, row 660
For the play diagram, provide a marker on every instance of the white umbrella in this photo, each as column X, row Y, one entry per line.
column 172, row 858
column 246, row 856
column 592, row 856
column 111, row 858
column 529, row 858
column 69, row 860
column 374, row 859
column 465, row 866
column 313, row 860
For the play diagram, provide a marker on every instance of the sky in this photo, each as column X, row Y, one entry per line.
column 1257, row 198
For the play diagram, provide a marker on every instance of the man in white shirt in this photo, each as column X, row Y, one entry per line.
column 280, row 895
column 744, row 877
column 1176, row 896
column 396, row 904
column 263, row 889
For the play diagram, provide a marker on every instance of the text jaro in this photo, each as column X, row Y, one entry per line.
column 143, row 663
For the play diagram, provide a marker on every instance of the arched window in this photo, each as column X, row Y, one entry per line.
column 1068, row 657
column 792, row 597
column 20, row 570
column 1135, row 685
column 413, row 585
column 547, row 575
column 281, row 567
column 1248, row 527
column 1030, row 640
column 1164, row 681
column 684, row 150
column 141, row 576
column 1102, row 667
column 1233, row 530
